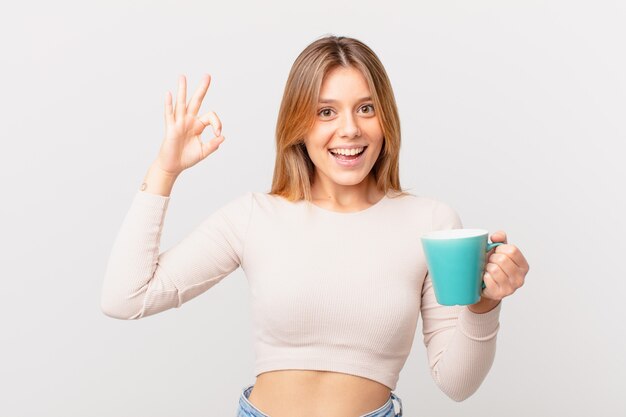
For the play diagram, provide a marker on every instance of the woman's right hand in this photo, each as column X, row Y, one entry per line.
column 182, row 147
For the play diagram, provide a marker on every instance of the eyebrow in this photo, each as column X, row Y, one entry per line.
column 330, row 100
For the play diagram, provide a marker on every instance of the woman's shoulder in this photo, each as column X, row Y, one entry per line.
column 273, row 202
column 264, row 196
column 420, row 198
column 412, row 199
column 428, row 204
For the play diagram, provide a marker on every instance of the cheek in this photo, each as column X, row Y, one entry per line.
column 319, row 135
column 375, row 130
column 325, row 132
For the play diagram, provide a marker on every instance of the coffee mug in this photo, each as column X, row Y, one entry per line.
column 456, row 264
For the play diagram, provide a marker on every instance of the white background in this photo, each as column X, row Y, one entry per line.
column 512, row 112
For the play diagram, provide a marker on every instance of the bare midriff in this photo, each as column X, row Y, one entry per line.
column 286, row 393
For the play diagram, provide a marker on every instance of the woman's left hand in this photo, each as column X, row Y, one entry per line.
column 505, row 272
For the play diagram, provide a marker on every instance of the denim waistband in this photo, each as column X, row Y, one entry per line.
column 386, row 410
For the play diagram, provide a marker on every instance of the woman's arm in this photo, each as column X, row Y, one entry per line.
column 158, row 182
column 139, row 281
column 460, row 343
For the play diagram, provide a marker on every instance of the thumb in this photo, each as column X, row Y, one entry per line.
column 499, row 236
column 209, row 147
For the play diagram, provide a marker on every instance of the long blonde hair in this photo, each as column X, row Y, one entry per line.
column 293, row 169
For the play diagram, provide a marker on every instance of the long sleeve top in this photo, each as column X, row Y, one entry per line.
column 336, row 291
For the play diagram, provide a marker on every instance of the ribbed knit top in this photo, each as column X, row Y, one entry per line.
column 336, row 291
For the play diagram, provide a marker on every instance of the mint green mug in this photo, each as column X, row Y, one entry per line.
column 456, row 263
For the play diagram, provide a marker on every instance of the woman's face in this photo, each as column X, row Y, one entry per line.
column 345, row 119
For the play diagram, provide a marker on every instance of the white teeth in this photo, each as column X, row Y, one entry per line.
column 348, row 151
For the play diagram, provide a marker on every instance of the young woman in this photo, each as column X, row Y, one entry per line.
column 332, row 253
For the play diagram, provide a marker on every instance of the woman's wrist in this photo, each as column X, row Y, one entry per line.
column 485, row 305
column 157, row 181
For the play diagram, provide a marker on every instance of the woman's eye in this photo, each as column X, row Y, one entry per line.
column 323, row 112
column 370, row 106
column 327, row 112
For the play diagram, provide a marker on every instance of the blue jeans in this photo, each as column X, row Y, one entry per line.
column 246, row 409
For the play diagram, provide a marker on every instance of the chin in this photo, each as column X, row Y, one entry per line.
column 348, row 178
column 347, row 182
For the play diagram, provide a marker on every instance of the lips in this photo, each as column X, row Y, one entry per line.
column 348, row 147
column 348, row 162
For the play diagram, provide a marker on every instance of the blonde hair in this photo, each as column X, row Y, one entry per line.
column 293, row 169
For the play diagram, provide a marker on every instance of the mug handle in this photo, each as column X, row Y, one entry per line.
column 489, row 247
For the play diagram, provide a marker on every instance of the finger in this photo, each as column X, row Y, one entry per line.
column 196, row 100
column 504, row 281
column 491, row 286
column 497, row 273
column 514, row 273
column 496, row 237
column 514, row 254
column 519, row 258
column 212, row 145
column 212, row 119
column 499, row 236
column 490, row 254
column 181, row 98
column 505, row 263
column 169, row 116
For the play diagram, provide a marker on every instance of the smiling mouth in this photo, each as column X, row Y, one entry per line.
column 348, row 158
column 349, row 161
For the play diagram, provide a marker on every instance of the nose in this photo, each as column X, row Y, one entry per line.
column 349, row 127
